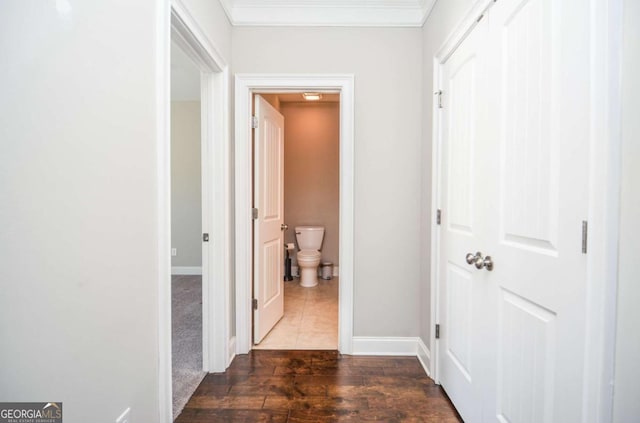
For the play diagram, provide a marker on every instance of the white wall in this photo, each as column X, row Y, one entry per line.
column 387, row 68
column 79, row 273
column 627, row 371
column 441, row 22
column 78, row 183
column 214, row 22
column 186, row 191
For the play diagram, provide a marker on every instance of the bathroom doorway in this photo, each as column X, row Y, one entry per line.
column 245, row 86
column 308, row 317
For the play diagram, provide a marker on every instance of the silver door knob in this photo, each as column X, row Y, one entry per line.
column 284, row 227
column 471, row 258
column 486, row 262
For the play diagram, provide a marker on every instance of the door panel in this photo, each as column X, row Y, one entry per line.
column 525, row 360
column 459, row 319
column 268, row 236
column 461, row 140
column 529, row 156
column 460, row 288
column 538, row 64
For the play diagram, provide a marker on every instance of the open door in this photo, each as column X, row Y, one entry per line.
column 268, row 238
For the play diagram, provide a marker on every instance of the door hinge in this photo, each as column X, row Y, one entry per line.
column 438, row 217
column 255, row 304
column 254, row 122
column 254, row 213
column 585, row 232
column 205, row 237
column 437, row 331
column 439, row 94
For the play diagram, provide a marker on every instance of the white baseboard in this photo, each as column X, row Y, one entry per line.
column 424, row 356
column 231, row 354
column 186, row 270
column 383, row 345
column 411, row 346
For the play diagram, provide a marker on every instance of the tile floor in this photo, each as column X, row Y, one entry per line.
column 310, row 319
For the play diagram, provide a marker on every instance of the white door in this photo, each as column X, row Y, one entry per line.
column 462, row 288
column 539, row 73
column 268, row 238
column 520, row 327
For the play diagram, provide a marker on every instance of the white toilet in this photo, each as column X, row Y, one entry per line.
column 309, row 242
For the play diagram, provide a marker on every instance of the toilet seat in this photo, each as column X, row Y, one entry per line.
column 308, row 255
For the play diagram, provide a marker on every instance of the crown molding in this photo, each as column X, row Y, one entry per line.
column 358, row 13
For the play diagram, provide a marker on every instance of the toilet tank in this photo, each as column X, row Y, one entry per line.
column 309, row 237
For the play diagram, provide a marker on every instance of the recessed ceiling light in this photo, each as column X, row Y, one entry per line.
column 312, row 96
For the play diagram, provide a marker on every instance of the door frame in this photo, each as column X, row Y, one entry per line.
column 604, row 201
column 245, row 86
column 177, row 24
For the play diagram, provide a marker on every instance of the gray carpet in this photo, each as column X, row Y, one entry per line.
column 186, row 349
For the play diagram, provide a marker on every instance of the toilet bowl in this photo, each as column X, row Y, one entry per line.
column 309, row 242
column 308, row 262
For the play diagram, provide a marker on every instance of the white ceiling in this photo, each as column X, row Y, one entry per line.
column 387, row 13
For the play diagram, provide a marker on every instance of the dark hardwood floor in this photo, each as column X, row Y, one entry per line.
column 319, row 386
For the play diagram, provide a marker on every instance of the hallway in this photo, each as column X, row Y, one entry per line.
column 319, row 386
column 488, row 194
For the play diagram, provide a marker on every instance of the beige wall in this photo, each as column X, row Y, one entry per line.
column 312, row 170
column 627, row 370
column 186, row 197
column 386, row 63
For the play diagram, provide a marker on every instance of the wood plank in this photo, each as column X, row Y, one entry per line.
column 319, row 386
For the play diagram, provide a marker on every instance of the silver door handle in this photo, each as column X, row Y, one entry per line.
column 486, row 262
column 471, row 258
column 284, row 227
column 480, row 262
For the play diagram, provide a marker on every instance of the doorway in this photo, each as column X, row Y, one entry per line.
column 214, row 82
column 246, row 87
column 307, row 318
column 186, row 229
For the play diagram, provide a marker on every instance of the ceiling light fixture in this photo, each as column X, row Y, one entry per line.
column 312, row 96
